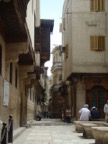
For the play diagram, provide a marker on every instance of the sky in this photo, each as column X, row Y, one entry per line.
column 52, row 9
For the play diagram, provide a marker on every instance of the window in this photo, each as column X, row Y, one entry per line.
column 97, row 5
column 97, row 43
column 0, row 59
column 11, row 70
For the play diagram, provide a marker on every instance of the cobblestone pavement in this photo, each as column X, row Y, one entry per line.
column 52, row 132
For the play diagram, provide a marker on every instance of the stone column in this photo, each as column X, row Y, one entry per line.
column 80, row 96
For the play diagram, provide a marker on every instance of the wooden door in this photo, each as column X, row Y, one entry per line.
column 97, row 96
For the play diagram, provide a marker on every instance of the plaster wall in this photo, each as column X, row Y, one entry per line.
column 80, row 24
column 83, row 59
column 33, row 18
column 80, row 99
column 13, row 107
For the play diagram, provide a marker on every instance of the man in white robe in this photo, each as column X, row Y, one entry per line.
column 85, row 113
column 106, row 111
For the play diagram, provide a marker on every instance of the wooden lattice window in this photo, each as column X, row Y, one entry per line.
column 97, row 5
column 97, row 43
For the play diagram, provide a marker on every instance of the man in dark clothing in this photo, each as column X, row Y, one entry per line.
column 95, row 115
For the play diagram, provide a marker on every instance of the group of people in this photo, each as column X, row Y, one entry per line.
column 85, row 114
column 66, row 115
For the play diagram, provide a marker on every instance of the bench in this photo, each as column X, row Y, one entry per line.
column 99, row 123
column 87, row 130
column 100, row 134
column 78, row 126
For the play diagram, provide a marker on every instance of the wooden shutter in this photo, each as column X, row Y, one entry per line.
column 94, row 43
column 91, row 5
column 101, row 43
column 96, row 5
column 101, row 5
column 97, row 43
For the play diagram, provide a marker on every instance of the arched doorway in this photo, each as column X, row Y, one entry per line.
column 97, row 96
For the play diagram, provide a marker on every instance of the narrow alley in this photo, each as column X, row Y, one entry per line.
column 51, row 131
column 53, row 70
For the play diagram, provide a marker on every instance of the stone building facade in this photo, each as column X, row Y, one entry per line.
column 17, row 60
column 20, row 70
column 57, row 100
column 85, row 61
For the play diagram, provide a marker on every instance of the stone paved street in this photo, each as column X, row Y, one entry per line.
column 52, row 132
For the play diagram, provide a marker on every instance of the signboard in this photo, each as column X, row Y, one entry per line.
column 6, row 93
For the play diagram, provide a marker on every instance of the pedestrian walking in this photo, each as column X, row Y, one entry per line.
column 106, row 111
column 85, row 113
